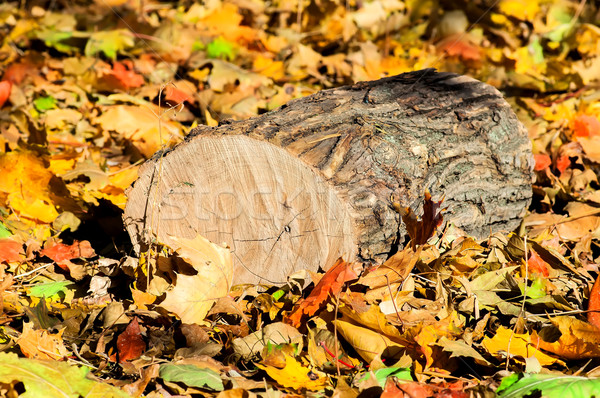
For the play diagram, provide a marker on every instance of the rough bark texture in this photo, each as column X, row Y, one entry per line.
column 321, row 171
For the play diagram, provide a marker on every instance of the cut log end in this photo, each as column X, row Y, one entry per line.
column 272, row 209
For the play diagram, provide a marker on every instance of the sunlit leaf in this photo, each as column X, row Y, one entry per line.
column 52, row 379
column 548, row 385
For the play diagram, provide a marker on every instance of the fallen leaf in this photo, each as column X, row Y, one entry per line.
column 294, row 375
column 542, row 162
column 11, row 251
column 130, row 343
column 330, row 284
column 586, row 126
column 578, row 339
column 40, row 344
column 5, row 87
column 214, row 267
column 515, row 345
column 421, row 229
column 26, row 181
column 52, row 379
column 62, row 253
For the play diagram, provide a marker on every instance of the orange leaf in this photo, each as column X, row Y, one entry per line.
column 10, row 251
column 461, row 46
column 536, row 265
column 177, row 96
column 562, row 163
column 130, row 343
column 61, row 252
column 542, row 161
column 5, row 87
column 41, row 344
column 126, row 77
column 593, row 314
column 586, row 126
column 332, row 282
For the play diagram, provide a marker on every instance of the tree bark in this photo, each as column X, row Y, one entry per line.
column 315, row 179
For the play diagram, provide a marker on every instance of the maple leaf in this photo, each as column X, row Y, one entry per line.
column 331, row 283
column 41, row 344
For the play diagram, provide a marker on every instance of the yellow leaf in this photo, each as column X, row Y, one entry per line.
column 523, row 10
column 61, row 166
column 515, row 344
column 367, row 343
column 25, row 180
column 124, row 178
column 193, row 295
column 578, row 339
column 294, row 375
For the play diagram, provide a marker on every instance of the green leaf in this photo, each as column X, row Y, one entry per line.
column 548, row 386
column 221, row 48
column 4, row 231
column 381, row 375
column 50, row 379
column 49, row 289
column 44, row 103
column 109, row 42
column 192, row 376
column 536, row 290
column 54, row 39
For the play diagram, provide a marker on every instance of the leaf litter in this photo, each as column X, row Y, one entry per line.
column 90, row 90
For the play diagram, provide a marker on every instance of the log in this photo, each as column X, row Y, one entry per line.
column 314, row 180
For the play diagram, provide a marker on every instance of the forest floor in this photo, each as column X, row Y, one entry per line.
column 89, row 90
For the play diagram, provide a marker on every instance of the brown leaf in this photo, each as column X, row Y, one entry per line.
column 420, row 230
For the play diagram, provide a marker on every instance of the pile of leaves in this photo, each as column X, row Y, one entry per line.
column 89, row 90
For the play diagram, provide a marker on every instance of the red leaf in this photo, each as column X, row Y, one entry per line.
column 61, row 252
column 10, row 251
column 126, row 77
column 562, row 163
column 536, row 265
column 542, row 162
column 593, row 314
column 586, row 126
column 5, row 87
column 332, row 282
column 130, row 343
